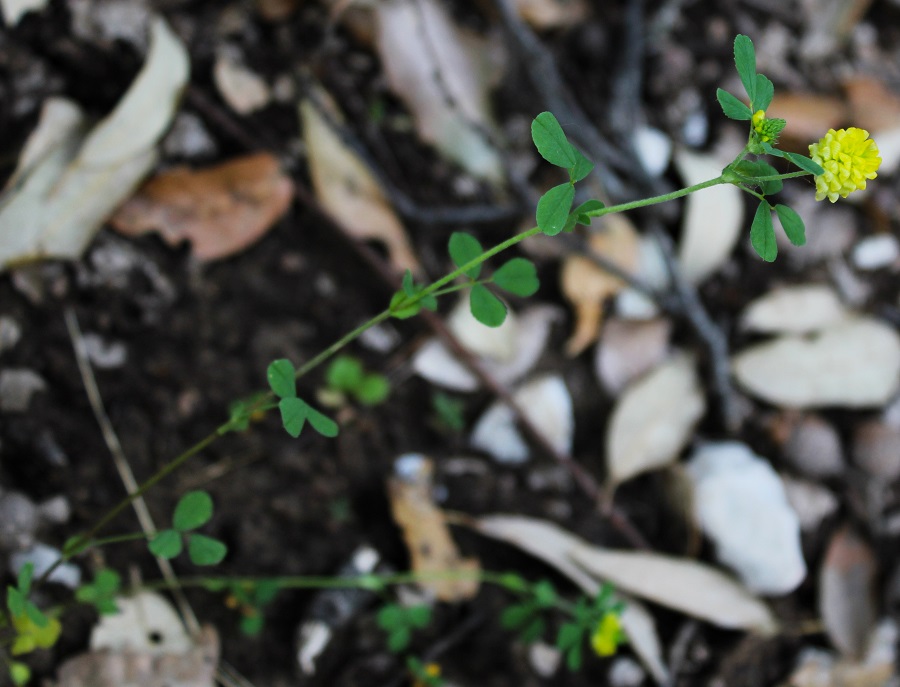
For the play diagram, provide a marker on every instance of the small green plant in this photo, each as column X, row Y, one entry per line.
column 399, row 622
column 194, row 510
column 295, row 412
column 346, row 376
column 32, row 628
column 448, row 411
column 102, row 592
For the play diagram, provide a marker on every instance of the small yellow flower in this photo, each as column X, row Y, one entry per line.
column 607, row 636
column 849, row 157
column 758, row 122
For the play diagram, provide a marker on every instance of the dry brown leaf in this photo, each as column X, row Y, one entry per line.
column 431, row 548
column 220, row 210
column 847, row 593
column 551, row 14
column 872, row 105
column 808, row 116
column 586, row 286
column 349, row 191
column 195, row 667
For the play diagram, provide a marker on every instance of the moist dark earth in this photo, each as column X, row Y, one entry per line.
column 198, row 336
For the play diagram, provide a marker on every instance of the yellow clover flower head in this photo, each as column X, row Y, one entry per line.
column 766, row 129
column 607, row 635
column 849, row 157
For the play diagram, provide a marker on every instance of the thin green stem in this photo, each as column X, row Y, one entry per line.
column 665, row 197
column 117, row 539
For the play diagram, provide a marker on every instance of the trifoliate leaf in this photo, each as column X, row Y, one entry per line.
column 205, row 550
column 551, row 142
column 194, row 509
column 166, row 544
column 518, row 276
column 15, row 601
column 731, row 106
column 765, row 91
column 805, row 163
column 400, row 311
column 486, row 307
column 751, row 169
column 281, row 378
column 293, row 415
column 409, row 288
column 465, row 248
column 553, row 209
column 792, row 224
column 745, row 62
column 762, row 233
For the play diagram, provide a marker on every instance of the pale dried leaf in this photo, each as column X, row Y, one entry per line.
column 194, row 666
column 628, row 349
column 794, row 310
column 552, row 544
column 654, row 419
column 693, row 588
column 221, row 210
column 713, row 218
column 431, row 548
column 145, row 623
column 740, row 504
column 444, row 79
column 244, row 90
column 854, row 364
column 586, row 286
column 546, row 402
column 847, row 592
column 63, row 199
column 349, row 191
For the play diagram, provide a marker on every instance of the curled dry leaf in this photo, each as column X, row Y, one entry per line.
column 684, row 585
column 794, row 310
column 586, row 286
column 740, row 504
column 195, row 666
column 713, row 218
column 444, row 77
column 847, row 593
column 552, row 544
column 349, row 191
column 221, row 210
column 431, row 548
column 855, row 363
column 68, row 183
column 654, row 419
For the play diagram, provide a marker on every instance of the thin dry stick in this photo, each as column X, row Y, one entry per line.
column 131, row 485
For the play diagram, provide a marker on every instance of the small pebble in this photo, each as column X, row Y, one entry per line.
column 10, row 333
column 19, row 521
column 626, row 672
column 17, row 386
column 814, row 448
column 876, row 449
column 43, row 557
column 105, row 355
column 876, row 252
column 544, row 659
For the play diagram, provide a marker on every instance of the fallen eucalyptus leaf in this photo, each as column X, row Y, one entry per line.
column 855, row 364
column 349, row 191
column 628, row 349
column 794, row 310
column 653, row 419
column 61, row 196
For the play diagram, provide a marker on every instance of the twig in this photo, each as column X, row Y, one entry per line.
column 111, row 439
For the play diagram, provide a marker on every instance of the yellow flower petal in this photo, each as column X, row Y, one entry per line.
column 849, row 157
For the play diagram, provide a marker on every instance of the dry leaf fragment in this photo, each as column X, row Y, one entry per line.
column 685, row 585
column 431, row 548
column 794, row 310
column 847, row 593
column 63, row 195
column 193, row 667
column 855, row 363
column 628, row 349
column 653, row 419
column 808, row 116
column 221, row 210
column 349, row 191
column 444, row 77
column 586, row 286
column 551, row 14
column 244, row 90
